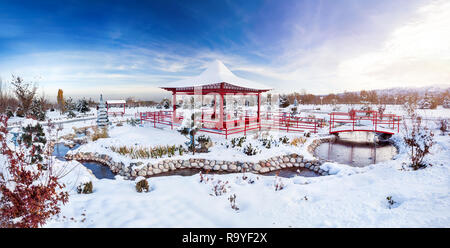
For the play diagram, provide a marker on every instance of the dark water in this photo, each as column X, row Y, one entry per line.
column 292, row 172
column 287, row 172
column 100, row 171
column 61, row 150
column 187, row 172
column 358, row 154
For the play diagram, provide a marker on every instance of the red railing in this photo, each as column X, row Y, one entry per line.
column 278, row 121
column 365, row 121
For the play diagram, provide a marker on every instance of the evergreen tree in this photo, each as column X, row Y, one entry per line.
column 37, row 109
column 283, row 101
column 83, row 106
column 33, row 138
column 165, row 103
column 9, row 112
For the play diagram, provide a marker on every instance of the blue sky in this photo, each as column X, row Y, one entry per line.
column 128, row 48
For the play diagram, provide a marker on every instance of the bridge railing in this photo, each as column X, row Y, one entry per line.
column 359, row 120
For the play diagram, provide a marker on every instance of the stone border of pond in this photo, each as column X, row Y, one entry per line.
column 132, row 170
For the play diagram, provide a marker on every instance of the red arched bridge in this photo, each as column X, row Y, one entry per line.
column 364, row 121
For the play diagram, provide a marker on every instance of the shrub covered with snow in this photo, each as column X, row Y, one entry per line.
column 85, row 186
column 417, row 136
column 141, row 185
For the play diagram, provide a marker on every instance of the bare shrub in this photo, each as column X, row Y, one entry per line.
column 443, row 126
column 100, row 134
column 417, row 136
column 232, row 200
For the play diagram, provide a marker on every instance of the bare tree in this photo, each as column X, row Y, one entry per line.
column 24, row 92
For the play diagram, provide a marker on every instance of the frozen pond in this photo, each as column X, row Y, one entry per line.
column 287, row 172
column 60, row 150
column 99, row 171
column 358, row 151
column 292, row 172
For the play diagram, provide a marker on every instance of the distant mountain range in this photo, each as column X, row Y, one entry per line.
column 432, row 90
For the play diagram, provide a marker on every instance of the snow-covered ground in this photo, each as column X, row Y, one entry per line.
column 350, row 197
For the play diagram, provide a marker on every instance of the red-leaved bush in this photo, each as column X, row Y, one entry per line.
column 30, row 193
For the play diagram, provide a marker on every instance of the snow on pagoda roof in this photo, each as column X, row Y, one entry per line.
column 216, row 72
column 115, row 102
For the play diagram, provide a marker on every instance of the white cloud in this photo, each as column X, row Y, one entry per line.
column 415, row 53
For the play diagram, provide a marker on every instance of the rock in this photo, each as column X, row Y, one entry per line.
column 149, row 173
column 224, row 167
column 264, row 170
column 256, row 167
column 302, row 164
column 292, row 160
column 216, row 167
column 194, row 165
column 142, row 173
column 156, row 171
column 289, row 165
column 283, row 165
column 232, row 167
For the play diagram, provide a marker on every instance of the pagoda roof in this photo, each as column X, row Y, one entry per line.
column 216, row 77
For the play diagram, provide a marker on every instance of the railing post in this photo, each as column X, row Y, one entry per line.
column 376, row 117
column 287, row 124
column 245, row 126
column 315, row 126
column 353, row 122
